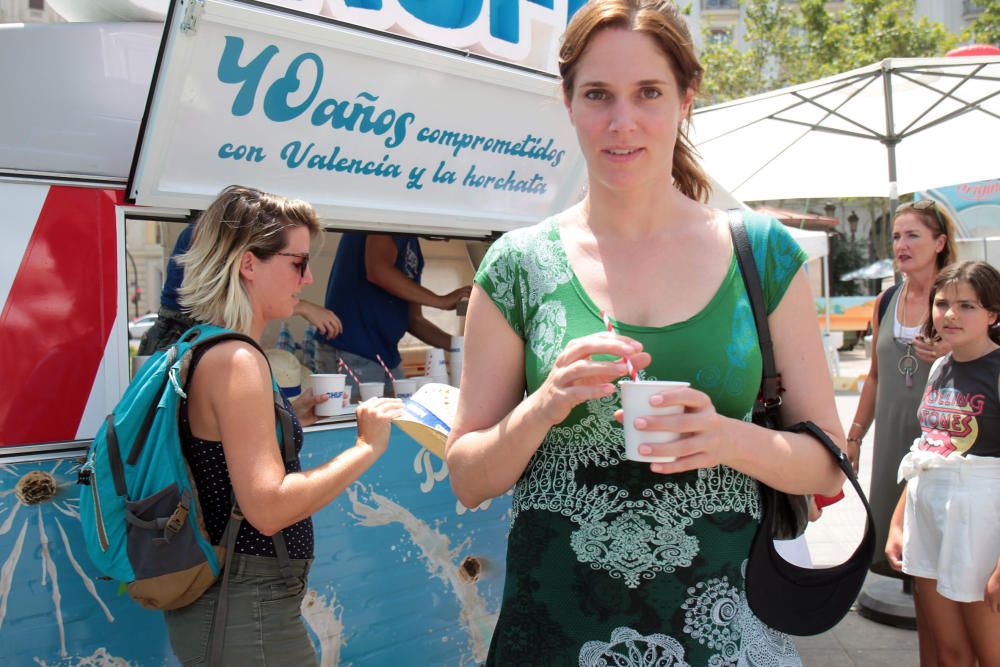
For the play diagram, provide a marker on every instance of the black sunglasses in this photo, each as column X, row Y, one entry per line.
column 301, row 266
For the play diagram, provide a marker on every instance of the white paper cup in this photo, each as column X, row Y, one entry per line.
column 635, row 403
column 404, row 388
column 434, row 363
column 457, row 344
column 371, row 390
column 331, row 384
column 455, row 368
column 421, row 380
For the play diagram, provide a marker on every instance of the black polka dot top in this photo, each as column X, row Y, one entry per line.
column 215, row 491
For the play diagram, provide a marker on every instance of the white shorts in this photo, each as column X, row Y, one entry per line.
column 952, row 523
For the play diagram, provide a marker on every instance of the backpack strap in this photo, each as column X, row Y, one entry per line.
column 284, row 420
column 218, row 632
column 883, row 305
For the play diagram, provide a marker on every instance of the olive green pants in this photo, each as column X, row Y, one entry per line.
column 264, row 626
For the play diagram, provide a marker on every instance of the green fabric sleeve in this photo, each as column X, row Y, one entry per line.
column 777, row 254
column 500, row 277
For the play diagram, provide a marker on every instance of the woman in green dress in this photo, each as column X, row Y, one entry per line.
column 614, row 562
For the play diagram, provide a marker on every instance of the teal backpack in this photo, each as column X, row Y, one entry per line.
column 139, row 510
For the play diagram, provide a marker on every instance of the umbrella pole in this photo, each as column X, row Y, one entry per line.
column 890, row 141
column 887, row 600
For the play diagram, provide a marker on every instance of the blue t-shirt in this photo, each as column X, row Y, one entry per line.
column 175, row 272
column 374, row 320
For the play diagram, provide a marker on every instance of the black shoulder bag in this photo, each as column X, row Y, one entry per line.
column 789, row 598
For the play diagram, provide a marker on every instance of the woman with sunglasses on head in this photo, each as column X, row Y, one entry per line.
column 923, row 243
column 245, row 268
column 945, row 532
column 610, row 560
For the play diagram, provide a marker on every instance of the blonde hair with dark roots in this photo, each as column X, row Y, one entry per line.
column 984, row 280
column 662, row 21
column 240, row 219
column 938, row 221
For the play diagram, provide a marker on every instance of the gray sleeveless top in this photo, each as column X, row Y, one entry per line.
column 896, row 426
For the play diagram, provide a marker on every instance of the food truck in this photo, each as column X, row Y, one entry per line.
column 109, row 127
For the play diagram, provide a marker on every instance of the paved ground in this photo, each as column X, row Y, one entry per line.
column 856, row 641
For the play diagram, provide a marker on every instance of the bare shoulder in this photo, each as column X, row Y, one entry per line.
column 233, row 362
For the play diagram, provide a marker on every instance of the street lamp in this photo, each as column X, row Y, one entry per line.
column 829, row 209
column 852, row 224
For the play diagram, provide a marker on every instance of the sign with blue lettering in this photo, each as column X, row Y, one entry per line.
column 526, row 32
column 375, row 131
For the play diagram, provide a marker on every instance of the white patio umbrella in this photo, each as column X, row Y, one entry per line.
column 901, row 125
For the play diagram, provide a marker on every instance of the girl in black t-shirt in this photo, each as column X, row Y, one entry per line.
column 945, row 531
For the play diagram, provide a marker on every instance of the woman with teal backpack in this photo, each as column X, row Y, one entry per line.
column 246, row 266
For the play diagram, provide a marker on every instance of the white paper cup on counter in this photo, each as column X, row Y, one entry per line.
column 348, row 394
column 331, row 384
column 421, row 380
column 371, row 390
column 404, row 388
column 455, row 360
column 455, row 369
column 434, row 363
column 635, row 403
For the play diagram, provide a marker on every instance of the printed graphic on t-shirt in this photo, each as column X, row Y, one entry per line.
column 411, row 263
column 948, row 420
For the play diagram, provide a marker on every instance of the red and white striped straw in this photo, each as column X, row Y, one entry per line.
column 342, row 366
column 628, row 362
column 384, row 367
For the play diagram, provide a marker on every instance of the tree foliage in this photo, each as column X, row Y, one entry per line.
column 845, row 256
column 784, row 44
column 985, row 29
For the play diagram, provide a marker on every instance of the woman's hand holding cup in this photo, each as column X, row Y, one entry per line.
column 701, row 443
column 577, row 377
column 305, row 406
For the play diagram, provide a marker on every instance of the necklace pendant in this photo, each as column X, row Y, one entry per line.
column 909, row 380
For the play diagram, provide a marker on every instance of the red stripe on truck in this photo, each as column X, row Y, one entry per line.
column 55, row 324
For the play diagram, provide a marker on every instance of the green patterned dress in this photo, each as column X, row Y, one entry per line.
column 609, row 563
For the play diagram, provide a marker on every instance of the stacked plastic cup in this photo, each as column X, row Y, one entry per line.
column 435, row 365
column 455, row 360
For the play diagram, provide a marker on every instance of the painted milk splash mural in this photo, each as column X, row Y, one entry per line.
column 326, row 620
column 36, row 506
column 373, row 509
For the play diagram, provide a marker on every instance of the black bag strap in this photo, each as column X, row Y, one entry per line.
column 770, row 383
column 883, row 305
column 809, row 428
column 769, row 389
